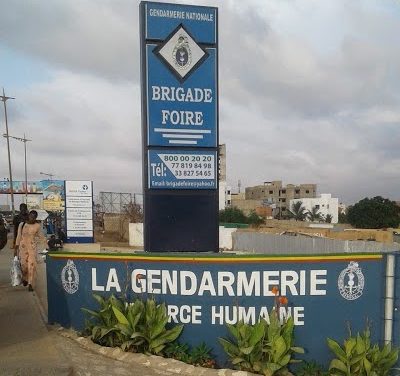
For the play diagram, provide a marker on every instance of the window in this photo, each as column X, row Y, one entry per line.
column 228, row 202
column 283, row 209
column 307, row 191
column 271, row 192
column 283, row 199
column 317, row 206
column 283, row 191
column 297, row 191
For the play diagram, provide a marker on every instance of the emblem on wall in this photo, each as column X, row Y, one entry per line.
column 351, row 282
column 70, row 278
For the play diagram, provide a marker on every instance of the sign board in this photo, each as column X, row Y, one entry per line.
column 42, row 215
column 326, row 293
column 79, row 211
column 180, row 120
column 34, row 202
column 181, row 115
column 182, row 169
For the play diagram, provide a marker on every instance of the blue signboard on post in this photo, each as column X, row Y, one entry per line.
column 181, row 114
column 181, row 79
column 179, row 51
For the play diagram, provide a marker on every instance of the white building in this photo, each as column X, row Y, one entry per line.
column 325, row 204
column 225, row 195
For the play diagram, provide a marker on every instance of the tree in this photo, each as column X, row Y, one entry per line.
column 297, row 211
column 314, row 215
column 328, row 218
column 134, row 212
column 343, row 218
column 254, row 219
column 232, row 215
column 376, row 212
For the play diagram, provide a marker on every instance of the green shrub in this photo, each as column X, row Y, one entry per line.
column 255, row 219
column 101, row 324
column 357, row 357
column 198, row 356
column 138, row 327
column 311, row 369
column 262, row 348
column 232, row 215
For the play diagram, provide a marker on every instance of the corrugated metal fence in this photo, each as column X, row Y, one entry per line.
column 252, row 242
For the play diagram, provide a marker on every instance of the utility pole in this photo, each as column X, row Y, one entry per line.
column 24, row 140
column 4, row 98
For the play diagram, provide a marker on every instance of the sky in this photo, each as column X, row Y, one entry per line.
column 309, row 92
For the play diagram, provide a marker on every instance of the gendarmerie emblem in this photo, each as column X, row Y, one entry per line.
column 181, row 54
column 351, row 282
column 70, row 278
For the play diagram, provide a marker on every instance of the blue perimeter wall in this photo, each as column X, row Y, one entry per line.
column 326, row 313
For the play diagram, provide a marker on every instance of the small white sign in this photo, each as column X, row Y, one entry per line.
column 79, row 213
column 42, row 215
column 78, row 188
column 78, row 202
column 79, row 225
column 34, row 202
column 79, row 234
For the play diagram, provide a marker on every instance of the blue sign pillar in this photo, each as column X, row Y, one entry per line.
column 179, row 60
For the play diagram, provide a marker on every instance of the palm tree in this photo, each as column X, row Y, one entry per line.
column 314, row 215
column 328, row 218
column 297, row 211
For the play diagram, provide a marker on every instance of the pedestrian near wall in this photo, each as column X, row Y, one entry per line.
column 26, row 247
column 22, row 216
column 3, row 233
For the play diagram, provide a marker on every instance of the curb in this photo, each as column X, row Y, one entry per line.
column 151, row 361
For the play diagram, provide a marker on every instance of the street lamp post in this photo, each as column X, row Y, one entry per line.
column 4, row 98
column 24, row 140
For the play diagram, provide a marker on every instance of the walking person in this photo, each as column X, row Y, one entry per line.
column 3, row 233
column 29, row 235
column 22, row 216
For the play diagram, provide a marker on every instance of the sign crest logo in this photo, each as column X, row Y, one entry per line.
column 351, row 282
column 70, row 278
column 181, row 54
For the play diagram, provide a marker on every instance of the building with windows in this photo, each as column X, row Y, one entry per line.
column 224, row 190
column 326, row 204
column 278, row 196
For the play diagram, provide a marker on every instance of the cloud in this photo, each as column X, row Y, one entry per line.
column 99, row 37
column 90, row 133
column 308, row 92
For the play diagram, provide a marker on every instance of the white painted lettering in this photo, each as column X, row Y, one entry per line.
column 207, row 284
column 315, row 281
column 225, row 281
column 95, row 286
column 289, row 279
column 112, row 281
column 153, row 277
column 188, row 276
column 252, row 287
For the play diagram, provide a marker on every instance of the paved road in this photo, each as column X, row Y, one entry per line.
column 29, row 348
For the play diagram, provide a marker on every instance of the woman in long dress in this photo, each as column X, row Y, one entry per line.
column 29, row 235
